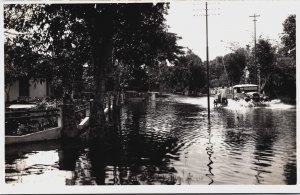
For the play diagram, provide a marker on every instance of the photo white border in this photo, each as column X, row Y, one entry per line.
column 40, row 189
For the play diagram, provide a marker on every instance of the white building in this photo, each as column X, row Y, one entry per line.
column 28, row 88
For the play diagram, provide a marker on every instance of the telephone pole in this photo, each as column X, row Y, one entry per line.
column 207, row 66
column 255, row 64
column 207, row 58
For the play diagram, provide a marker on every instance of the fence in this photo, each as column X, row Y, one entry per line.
column 82, row 111
column 25, row 122
column 18, row 123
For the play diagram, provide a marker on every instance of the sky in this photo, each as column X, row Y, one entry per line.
column 229, row 23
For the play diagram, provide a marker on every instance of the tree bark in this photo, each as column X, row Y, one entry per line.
column 101, row 38
column 116, row 102
column 70, row 129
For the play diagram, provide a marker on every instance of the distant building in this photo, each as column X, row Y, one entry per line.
column 27, row 88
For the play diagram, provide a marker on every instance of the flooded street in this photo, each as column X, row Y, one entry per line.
column 169, row 141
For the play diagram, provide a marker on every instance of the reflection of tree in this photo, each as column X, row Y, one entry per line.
column 230, row 119
column 290, row 168
column 73, row 158
column 264, row 141
column 146, row 150
column 235, row 135
column 131, row 154
column 68, row 154
column 185, row 123
column 290, row 173
column 107, row 151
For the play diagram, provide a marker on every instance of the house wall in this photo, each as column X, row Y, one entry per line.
column 14, row 92
column 37, row 89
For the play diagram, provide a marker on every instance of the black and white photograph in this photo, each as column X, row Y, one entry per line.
column 178, row 93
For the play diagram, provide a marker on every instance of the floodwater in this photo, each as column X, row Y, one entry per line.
column 169, row 141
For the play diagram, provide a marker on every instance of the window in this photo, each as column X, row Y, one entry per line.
column 23, row 87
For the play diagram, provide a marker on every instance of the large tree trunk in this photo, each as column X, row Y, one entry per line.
column 116, row 93
column 102, row 54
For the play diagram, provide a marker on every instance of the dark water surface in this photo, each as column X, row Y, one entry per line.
column 170, row 142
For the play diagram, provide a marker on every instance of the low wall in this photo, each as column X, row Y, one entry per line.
column 50, row 134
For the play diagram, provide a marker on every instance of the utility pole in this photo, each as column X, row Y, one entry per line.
column 258, row 67
column 207, row 66
column 207, row 60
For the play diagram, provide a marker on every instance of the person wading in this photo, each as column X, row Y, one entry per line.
column 223, row 95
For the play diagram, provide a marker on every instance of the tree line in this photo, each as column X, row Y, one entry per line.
column 126, row 47
column 123, row 45
column 276, row 63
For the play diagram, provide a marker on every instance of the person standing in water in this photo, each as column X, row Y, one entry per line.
column 223, row 94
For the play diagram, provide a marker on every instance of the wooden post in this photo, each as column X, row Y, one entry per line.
column 88, row 110
column 108, row 103
column 111, row 101
column 69, row 128
column 121, row 97
column 153, row 96
column 59, row 119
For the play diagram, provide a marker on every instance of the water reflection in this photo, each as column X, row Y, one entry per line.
column 68, row 154
column 169, row 142
column 263, row 154
column 209, row 150
column 290, row 173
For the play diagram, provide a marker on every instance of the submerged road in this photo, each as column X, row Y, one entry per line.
column 169, row 141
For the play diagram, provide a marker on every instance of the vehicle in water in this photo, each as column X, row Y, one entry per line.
column 218, row 100
column 221, row 97
column 248, row 92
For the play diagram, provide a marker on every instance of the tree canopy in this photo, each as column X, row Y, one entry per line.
column 65, row 36
column 235, row 64
column 289, row 36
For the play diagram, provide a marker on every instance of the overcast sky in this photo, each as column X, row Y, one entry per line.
column 233, row 25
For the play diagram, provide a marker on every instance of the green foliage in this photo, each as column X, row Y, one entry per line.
column 289, row 37
column 278, row 71
column 143, row 44
column 265, row 62
column 235, row 64
column 277, row 65
column 197, row 78
column 265, row 54
column 53, row 45
column 283, row 80
column 187, row 74
column 62, row 37
column 228, row 69
column 217, row 72
column 19, row 60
